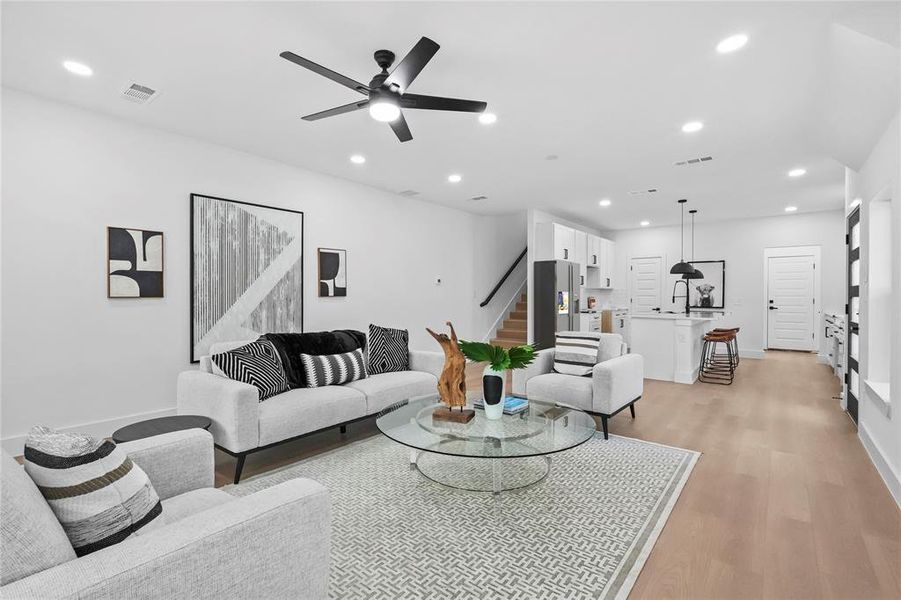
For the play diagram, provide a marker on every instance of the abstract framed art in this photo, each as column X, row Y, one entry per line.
column 709, row 292
column 134, row 260
column 332, row 272
column 246, row 271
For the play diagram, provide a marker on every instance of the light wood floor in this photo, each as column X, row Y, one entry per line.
column 784, row 502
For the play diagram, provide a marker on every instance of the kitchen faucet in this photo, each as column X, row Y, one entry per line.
column 687, row 305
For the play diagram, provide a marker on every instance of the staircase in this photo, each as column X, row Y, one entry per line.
column 513, row 331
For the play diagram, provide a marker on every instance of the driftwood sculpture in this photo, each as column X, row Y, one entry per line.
column 452, row 383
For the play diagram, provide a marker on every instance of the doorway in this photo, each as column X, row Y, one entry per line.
column 646, row 283
column 792, row 298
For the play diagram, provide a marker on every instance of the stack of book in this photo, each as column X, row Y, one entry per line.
column 512, row 405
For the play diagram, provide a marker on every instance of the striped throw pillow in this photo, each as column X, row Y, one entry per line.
column 98, row 495
column 256, row 363
column 388, row 349
column 333, row 369
column 576, row 352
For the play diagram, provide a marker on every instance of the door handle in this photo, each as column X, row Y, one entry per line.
column 773, row 307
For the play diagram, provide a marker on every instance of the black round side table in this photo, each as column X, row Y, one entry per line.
column 151, row 427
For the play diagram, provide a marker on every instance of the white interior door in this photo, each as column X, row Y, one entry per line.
column 646, row 283
column 790, row 302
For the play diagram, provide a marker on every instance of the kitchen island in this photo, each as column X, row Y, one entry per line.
column 671, row 342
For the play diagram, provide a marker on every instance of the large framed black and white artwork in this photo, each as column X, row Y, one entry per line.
column 709, row 292
column 134, row 260
column 332, row 272
column 246, row 271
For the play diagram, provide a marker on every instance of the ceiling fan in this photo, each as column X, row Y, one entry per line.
column 386, row 93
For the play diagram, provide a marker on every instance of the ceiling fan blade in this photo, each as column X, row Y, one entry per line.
column 401, row 129
column 439, row 103
column 338, row 110
column 319, row 69
column 412, row 64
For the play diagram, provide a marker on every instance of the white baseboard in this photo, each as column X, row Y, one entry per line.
column 892, row 480
column 822, row 359
column 105, row 428
column 746, row 353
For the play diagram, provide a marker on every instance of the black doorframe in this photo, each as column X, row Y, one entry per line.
column 853, row 327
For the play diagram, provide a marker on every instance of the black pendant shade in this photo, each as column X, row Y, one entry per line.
column 682, row 267
column 695, row 273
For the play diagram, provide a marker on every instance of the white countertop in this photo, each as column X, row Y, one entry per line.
column 694, row 316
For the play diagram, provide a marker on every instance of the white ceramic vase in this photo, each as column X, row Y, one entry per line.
column 493, row 392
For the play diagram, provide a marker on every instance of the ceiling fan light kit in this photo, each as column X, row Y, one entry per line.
column 386, row 92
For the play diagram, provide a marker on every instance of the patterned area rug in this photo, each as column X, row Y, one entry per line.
column 583, row 532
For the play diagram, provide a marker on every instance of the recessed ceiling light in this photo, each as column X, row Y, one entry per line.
column 487, row 118
column 645, row 223
column 692, row 126
column 732, row 43
column 454, row 178
column 605, row 202
column 78, row 68
column 791, row 208
column 358, row 159
column 797, row 172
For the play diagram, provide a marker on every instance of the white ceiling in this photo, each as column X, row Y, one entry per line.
column 604, row 86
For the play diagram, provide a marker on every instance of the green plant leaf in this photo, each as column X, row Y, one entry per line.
column 521, row 356
column 497, row 356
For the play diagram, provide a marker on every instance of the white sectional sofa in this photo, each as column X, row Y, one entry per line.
column 243, row 425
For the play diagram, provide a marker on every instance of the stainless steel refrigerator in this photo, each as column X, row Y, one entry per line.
column 556, row 300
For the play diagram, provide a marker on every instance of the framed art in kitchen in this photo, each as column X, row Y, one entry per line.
column 134, row 261
column 246, row 271
column 709, row 292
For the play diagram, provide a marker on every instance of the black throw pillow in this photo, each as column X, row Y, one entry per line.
column 388, row 350
column 291, row 345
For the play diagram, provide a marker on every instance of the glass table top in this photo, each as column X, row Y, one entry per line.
column 541, row 429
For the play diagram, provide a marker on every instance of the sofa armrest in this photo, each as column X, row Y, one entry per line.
column 616, row 382
column 234, row 407
column 271, row 544
column 176, row 462
column 426, row 361
column 543, row 364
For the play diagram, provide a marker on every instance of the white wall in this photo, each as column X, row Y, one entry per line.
column 498, row 242
column 880, row 429
column 741, row 244
column 72, row 357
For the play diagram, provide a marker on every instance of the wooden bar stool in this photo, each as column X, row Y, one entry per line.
column 717, row 367
column 734, row 330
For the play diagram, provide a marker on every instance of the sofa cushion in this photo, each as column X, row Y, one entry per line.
column 563, row 389
column 610, row 346
column 31, row 538
column 95, row 490
column 185, row 505
column 307, row 409
column 333, row 369
column 388, row 349
column 385, row 389
column 256, row 363
column 291, row 345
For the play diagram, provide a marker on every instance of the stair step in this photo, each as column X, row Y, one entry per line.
column 506, row 343
column 522, row 306
column 515, row 324
column 512, row 334
column 519, row 314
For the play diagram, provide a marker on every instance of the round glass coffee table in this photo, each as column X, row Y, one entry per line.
column 510, row 453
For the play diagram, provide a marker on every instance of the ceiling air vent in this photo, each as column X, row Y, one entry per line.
column 139, row 94
column 478, row 198
column 408, row 193
column 692, row 161
column 643, row 192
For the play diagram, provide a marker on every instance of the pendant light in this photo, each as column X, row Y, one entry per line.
column 696, row 274
column 682, row 267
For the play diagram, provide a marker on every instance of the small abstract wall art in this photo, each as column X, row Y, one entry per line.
column 332, row 272
column 134, row 263
column 246, row 271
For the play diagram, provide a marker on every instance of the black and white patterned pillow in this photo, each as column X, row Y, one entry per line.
column 98, row 494
column 333, row 369
column 256, row 363
column 388, row 350
column 576, row 352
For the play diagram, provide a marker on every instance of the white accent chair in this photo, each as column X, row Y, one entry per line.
column 617, row 381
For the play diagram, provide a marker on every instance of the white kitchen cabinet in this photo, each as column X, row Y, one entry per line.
column 589, row 322
column 554, row 242
column 607, row 262
column 593, row 250
column 600, row 263
column 580, row 254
